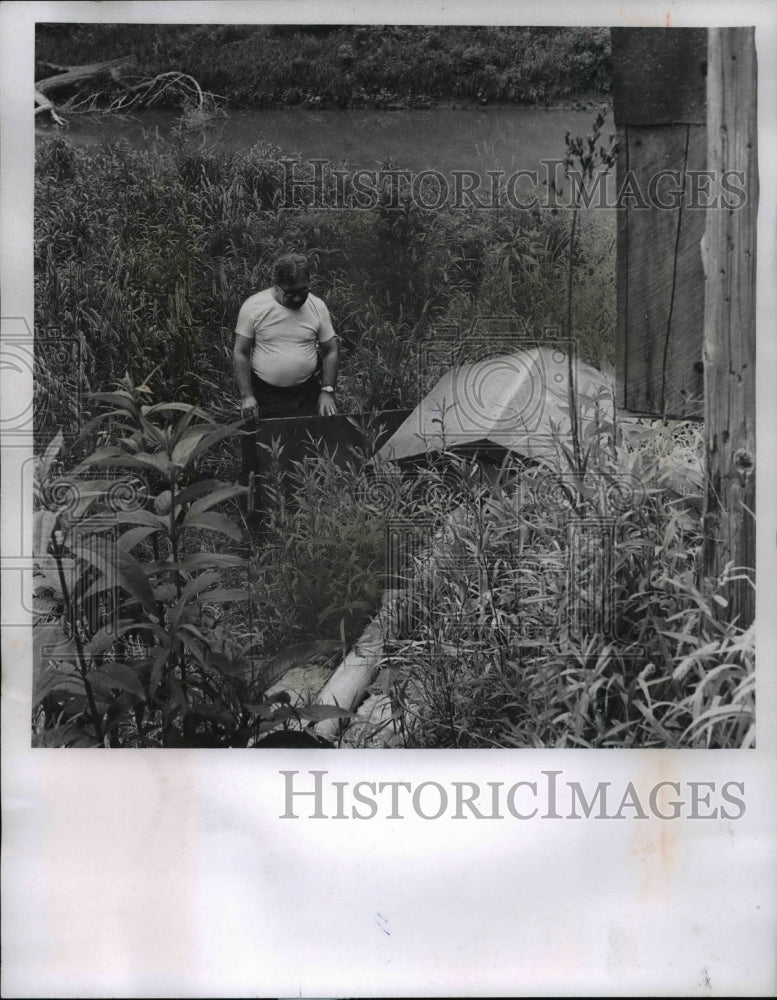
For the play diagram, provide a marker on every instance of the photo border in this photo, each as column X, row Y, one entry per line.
column 173, row 875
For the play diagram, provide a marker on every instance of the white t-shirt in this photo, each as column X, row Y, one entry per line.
column 284, row 339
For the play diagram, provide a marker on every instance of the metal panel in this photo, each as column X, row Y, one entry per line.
column 303, row 437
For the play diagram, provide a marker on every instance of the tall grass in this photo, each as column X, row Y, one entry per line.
column 519, row 635
column 319, row 572
column 142, row 259
column 547, row 610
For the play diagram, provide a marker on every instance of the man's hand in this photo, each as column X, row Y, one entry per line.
column 249, row 408
column 326, row 404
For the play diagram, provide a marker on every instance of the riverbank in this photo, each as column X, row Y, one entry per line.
column 352, row 66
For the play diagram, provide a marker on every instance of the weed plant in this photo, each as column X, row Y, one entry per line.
column 319, row 571
column 135, row 642
column 566, row 611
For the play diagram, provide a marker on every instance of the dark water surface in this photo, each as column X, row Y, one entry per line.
column 445, row 139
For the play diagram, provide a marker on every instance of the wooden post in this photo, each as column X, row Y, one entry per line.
column 729, row 319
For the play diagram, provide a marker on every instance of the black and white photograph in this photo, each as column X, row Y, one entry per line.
column 374, row 381
column 370, row 387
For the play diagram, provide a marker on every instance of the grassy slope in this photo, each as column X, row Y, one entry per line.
column 368, row 65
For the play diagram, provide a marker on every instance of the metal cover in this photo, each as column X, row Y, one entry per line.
column 338, row 435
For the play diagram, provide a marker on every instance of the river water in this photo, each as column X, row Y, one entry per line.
column 506, row 139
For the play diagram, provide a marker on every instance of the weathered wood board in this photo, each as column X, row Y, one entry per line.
column 730, row 324
column 660, row 276
column 660, row 112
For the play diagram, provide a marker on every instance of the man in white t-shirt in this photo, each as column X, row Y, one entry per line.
column 279, row 332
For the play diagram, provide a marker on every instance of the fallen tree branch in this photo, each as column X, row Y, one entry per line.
column 44, row 104
column 75, row 74
column 200, row 107
column 57, row 66
column 173, row 78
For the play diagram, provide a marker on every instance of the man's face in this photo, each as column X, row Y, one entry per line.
column 293, row 294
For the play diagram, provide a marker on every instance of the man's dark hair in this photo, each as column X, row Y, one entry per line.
column 291, row 266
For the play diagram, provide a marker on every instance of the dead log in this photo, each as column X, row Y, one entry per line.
column 44, row 104
column 73, row 75
column 76, row 74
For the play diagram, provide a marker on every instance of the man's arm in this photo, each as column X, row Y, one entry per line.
column 241, row 365
column 329, row 363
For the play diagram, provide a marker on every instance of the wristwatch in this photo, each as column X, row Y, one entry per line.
column 328, row 388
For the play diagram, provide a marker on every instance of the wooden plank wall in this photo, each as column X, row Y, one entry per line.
column 660, row 113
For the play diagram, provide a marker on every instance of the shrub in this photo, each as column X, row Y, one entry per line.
column 133, row 640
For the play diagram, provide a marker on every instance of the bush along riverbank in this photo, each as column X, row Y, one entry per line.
column 370, row 66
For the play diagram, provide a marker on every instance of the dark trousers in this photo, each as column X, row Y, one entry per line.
column 276, row 401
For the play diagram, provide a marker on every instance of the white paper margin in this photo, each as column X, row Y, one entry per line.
column 170, row 873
